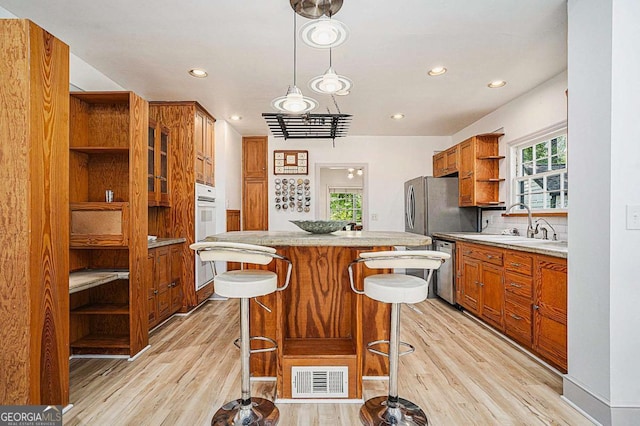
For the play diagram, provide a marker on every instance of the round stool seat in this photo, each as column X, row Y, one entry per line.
column 246, row 283
column 395, row 288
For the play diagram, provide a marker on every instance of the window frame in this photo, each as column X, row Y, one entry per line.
column 533, row 139
column 356, row 190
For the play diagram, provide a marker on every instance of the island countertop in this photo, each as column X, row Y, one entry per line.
column 335, row 239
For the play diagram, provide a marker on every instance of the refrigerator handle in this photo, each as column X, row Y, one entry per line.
column 411, row 207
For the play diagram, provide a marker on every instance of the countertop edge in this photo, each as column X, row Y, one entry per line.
column 337, row 239
column 536, row 250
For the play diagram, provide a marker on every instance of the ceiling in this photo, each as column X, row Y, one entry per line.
column 247, row 48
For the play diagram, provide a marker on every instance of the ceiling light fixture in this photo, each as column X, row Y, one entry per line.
column 397, row 116
column 324, row 33
column 314, row 9
column 330, row 82
column 235, row 118
column 198, row 72
column 294, row 101
column 496, row 84
column 437, row 71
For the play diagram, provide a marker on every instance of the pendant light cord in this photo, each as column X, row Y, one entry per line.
column 294, row 47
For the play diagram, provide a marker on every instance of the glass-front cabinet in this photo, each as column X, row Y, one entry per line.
column 158, row 165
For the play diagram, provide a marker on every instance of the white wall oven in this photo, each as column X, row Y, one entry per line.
column 205, row 225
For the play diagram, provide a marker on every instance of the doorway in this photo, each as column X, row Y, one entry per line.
column 342, row 193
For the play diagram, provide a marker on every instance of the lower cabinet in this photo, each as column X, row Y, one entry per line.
column 521, row 294
column 164, row 287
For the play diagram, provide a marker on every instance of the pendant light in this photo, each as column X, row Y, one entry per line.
column 330, row 82
column 294, row 101
column 324, row 33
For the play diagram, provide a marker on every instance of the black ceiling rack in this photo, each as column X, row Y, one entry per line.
column 308, row 126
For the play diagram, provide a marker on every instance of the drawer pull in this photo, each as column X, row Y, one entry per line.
column 516, row 285
column 467, row 252
column 516, row 317
column 516, row 265
column 489, row 256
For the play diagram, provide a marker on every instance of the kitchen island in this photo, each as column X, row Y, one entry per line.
column 320, row 325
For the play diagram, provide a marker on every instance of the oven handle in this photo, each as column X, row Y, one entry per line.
column 206, row 204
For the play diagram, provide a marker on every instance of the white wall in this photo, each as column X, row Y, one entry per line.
column 604, row 99
column 233, row 165
column 390, row 162
column 540, row 108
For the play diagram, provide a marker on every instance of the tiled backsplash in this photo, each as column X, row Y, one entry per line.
column 498, row 223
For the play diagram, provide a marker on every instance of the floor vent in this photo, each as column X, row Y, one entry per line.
column 320, row 382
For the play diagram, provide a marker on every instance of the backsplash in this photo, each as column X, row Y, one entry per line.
column 498, row 223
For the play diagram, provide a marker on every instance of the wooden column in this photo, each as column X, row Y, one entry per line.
column 34, row 213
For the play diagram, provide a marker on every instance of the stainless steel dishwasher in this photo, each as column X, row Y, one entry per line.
column 445, row 275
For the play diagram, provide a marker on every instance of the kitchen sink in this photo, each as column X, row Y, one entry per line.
column 519, row 240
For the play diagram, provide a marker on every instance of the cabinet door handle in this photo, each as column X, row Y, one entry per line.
column 516, row 317
column 517, row 265
column 516, row 285
column 155, row 292
column 536, row 307
column 481, row 284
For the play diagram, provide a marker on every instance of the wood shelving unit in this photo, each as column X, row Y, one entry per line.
column 108, row 151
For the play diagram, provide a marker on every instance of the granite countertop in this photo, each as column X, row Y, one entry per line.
column 83, row 280
column 514, row 242
column 338, row 239
column 160, row 242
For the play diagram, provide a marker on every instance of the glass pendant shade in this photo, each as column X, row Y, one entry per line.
column 294, row 102
column 330, row 83
column 324, row 33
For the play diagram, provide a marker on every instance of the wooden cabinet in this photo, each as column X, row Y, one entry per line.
column 550, row 310
column 158, row 165
column 479, row 171
column 445, row 163
column 482, row 283
column 439, row 164
column 34, row 151
column 476, row 161
column 255, row 204
column 108, row 151
column 204, row 142
column 191, row 149
column 521, row 294
column 164, row 286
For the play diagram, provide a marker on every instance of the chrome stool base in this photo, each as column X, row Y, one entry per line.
column 261, row 413
column 375, row 412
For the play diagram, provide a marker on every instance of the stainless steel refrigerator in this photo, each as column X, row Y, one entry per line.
column 431, row 205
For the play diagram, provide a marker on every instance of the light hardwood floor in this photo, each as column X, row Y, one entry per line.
column 460, row 374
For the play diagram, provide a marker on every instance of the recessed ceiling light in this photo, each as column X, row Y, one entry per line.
column 397, row 116
column 235, row 118
column 497, row 83
column 437, row 71
column 197, row 72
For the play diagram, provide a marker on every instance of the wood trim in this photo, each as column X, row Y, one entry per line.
column 558, row 214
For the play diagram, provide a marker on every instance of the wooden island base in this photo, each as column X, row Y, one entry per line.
column 318, row 321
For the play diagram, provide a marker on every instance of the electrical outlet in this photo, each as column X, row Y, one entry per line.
column 633, row 217
column 374, row 216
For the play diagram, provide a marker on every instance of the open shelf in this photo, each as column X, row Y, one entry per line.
column 99, row 149
column 490, row 180
column 102, row 341
column 102, row 308
column 491, row 157
column 299, row 348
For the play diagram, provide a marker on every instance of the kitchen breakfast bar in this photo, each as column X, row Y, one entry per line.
column 320, row 325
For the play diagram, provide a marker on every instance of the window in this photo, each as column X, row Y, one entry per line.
column 345, row 204
column 541, row 178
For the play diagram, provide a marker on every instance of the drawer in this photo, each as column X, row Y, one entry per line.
column 518, row 286
column 518, row 262
column 517, row 320
column 484, row 254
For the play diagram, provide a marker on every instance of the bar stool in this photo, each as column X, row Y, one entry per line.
column 244, row 285
column 395, row 289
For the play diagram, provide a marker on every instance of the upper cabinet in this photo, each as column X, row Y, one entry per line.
column 158, row 165
column 204, row 141
column 476, row 163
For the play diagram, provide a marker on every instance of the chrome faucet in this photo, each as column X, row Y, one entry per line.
column 530, row 231
column 544, row 230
